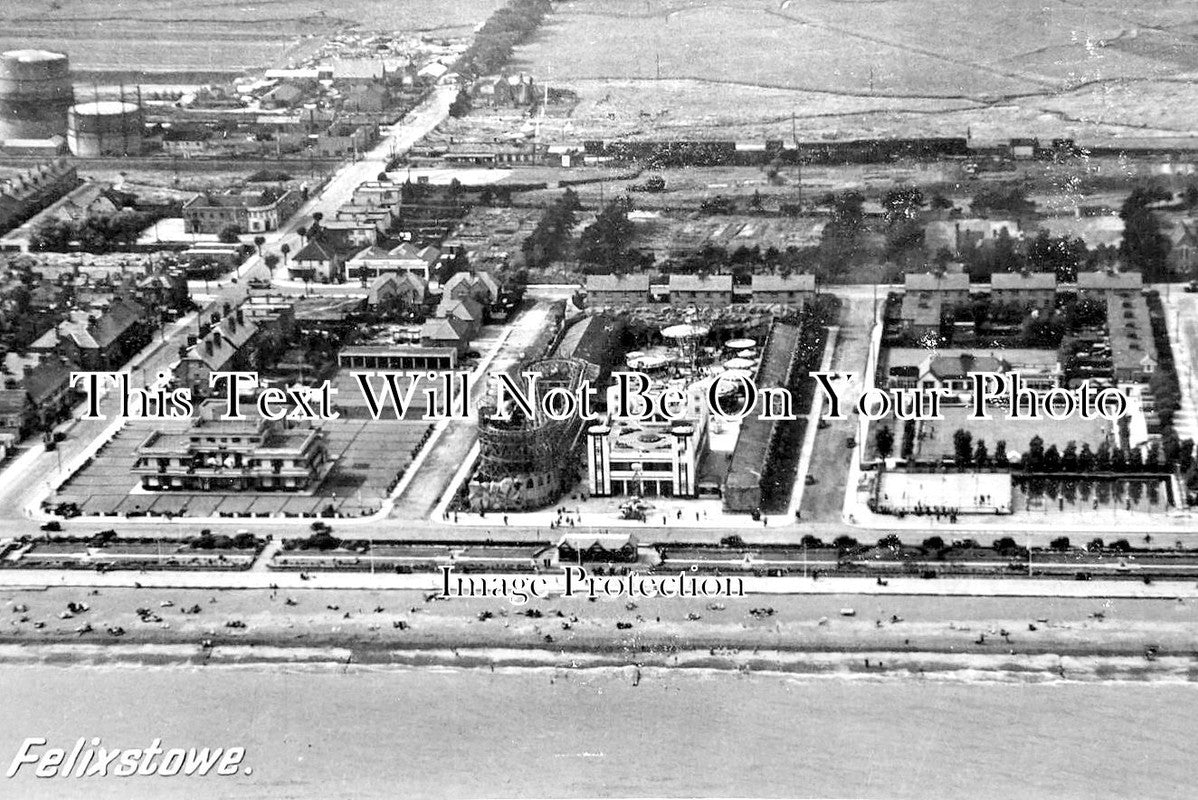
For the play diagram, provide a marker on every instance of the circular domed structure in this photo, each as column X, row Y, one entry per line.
column 105, row 128
column 35, row 93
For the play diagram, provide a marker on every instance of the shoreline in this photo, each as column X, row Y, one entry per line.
column 884, row 665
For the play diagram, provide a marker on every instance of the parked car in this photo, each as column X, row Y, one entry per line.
column 1192, row 286
column 52, row 526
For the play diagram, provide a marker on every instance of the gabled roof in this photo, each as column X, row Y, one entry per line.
column 472, row 281
column 405, row 250
column 466, row 308
column 1109, row 281
column 698, row 283
column 443, row 329
column 1020, row 280
column 618, row 283
column 114, row 322
column 12, row 401
column 801, row 282
column 932, row 282
column 315, row 250
column 45, row 380
column 397, row 282
column 372, row 253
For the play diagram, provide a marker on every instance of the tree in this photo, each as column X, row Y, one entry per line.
column 1000, row 454
column 1085, row 459
column 811, row 542
column 962, row 448
column 933, row 544
column 981, row 455
column 285, row 249
column 460, row 106
column 1144, row 248
column 1052, row 459
column 890, row 541
column 839, row 240
column 230, row 234
column 607, row 239
column 1102, row 459
column 884, row 442
column 1004, row 199
column 258, row 242
column 1095, row 546
column 1059, row 543
column 1152, row 460
column 271, row 262
column 902, row 204
column 1033, row 460
column 1061, row 256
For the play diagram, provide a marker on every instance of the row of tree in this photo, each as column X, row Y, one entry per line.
column 548, row 239
column 497, row 38
column 1165, row 457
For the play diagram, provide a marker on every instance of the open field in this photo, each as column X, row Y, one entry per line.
column 212, row 36
column 676, row 67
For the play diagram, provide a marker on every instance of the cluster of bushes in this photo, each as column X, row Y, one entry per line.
column 207, row 541
column 98, row 233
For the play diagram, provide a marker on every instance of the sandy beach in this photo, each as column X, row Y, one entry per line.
column 1048, row 638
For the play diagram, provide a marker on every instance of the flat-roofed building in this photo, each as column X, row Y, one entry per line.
column 217, row 454
column 398, row 358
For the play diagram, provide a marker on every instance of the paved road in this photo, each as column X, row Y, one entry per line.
column 830, row 457
column 339, row 190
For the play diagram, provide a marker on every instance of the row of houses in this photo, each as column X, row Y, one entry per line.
column 464, row 306
column 35, row 395
column 350, row 245
column 108, row 324
column 929, row 297
column 698, row 290
column 32, row 190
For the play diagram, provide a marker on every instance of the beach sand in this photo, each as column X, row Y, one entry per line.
column 888, row 636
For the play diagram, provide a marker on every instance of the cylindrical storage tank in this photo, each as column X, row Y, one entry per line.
column 105, row 128
column 35, row 93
